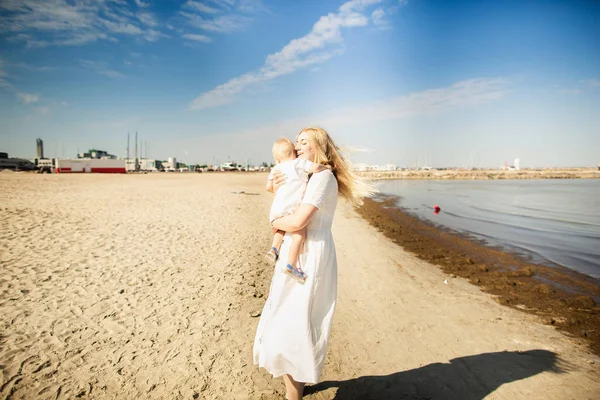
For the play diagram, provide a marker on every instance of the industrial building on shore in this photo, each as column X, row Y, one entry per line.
column 16, row 164
column 101, row 161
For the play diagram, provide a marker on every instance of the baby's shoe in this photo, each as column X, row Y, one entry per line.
column 272, row 255
column 295, row 273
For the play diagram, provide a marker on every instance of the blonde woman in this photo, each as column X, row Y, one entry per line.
column 293, row 331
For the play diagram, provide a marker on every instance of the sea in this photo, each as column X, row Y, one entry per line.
column 551, row 222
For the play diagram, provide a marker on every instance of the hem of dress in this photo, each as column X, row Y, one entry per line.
column 280, row 374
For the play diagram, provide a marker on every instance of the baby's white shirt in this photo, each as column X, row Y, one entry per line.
column 289, row 195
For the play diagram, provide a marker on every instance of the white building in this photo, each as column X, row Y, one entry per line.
column 145, row 164
column 228, row 166
column 90, row 165
column 171, row 164
column 361, row 167
column 374, row 167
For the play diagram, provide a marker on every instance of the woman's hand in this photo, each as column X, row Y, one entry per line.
column 279, row 179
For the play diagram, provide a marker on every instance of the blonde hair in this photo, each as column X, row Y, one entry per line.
column 327, row 153
column 284, row 148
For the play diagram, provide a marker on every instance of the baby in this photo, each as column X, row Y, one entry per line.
column 287, row 198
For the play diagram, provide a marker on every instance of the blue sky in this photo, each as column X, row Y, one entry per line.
column 449, row 83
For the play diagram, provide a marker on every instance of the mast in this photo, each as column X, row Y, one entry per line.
column 137, row 166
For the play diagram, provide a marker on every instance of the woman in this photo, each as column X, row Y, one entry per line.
column 292, row 335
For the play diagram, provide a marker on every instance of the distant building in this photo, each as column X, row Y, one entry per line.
column 90, row 165
column 96, row 154
column 516, row 165
column 40, row 148
column 374, row 167
column 144, row 164
column 228, row 166
column 44, row 164
column 16, row 164
column 171, row 164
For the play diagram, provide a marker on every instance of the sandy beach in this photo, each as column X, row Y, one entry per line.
column 148, row 287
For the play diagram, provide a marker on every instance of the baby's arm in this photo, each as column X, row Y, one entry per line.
column 270, row 182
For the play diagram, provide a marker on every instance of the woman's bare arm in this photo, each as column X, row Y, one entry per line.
column 296, row 221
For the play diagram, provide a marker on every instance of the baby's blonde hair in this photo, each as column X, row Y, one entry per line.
column 284, row 149
column 327, row 153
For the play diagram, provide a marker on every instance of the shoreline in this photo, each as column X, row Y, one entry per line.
column 562, row 297
column 485, row 174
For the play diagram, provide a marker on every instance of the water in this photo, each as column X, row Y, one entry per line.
column 551, row 221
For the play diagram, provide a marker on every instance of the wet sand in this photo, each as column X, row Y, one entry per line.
column 563, row 298
column 148, row 286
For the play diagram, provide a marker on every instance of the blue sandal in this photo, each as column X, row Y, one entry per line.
column 272, row 255
column 295, row 273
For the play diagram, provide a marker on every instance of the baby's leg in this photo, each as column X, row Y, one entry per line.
column 277, row 240
column 298, row 238
column 273, row 253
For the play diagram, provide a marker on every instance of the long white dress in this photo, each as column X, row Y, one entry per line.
column 293, row 330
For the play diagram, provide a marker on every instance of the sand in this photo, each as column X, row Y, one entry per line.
column 148, row 286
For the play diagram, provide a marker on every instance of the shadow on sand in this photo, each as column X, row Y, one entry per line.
column 465, row 378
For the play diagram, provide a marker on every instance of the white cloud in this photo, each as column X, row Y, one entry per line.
column 43, row 110
column 3, row 82
column 221, row 16
column 153, row 35
column 122, row 27
column 41, row 23
column 357, row 5
column 141, row 3
column 223, row 3
column 378, row 17
column 28, row 98
column 221, row 24
column 147, row 19
column 570, row 91
column 43, row 68
column 101, row 68
column 201, row 7
column 75, row 40
column 463, row 94
column 593, row 82
column 313, row 48
column 250, row 6
column 197, row 38
column 110, row 73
